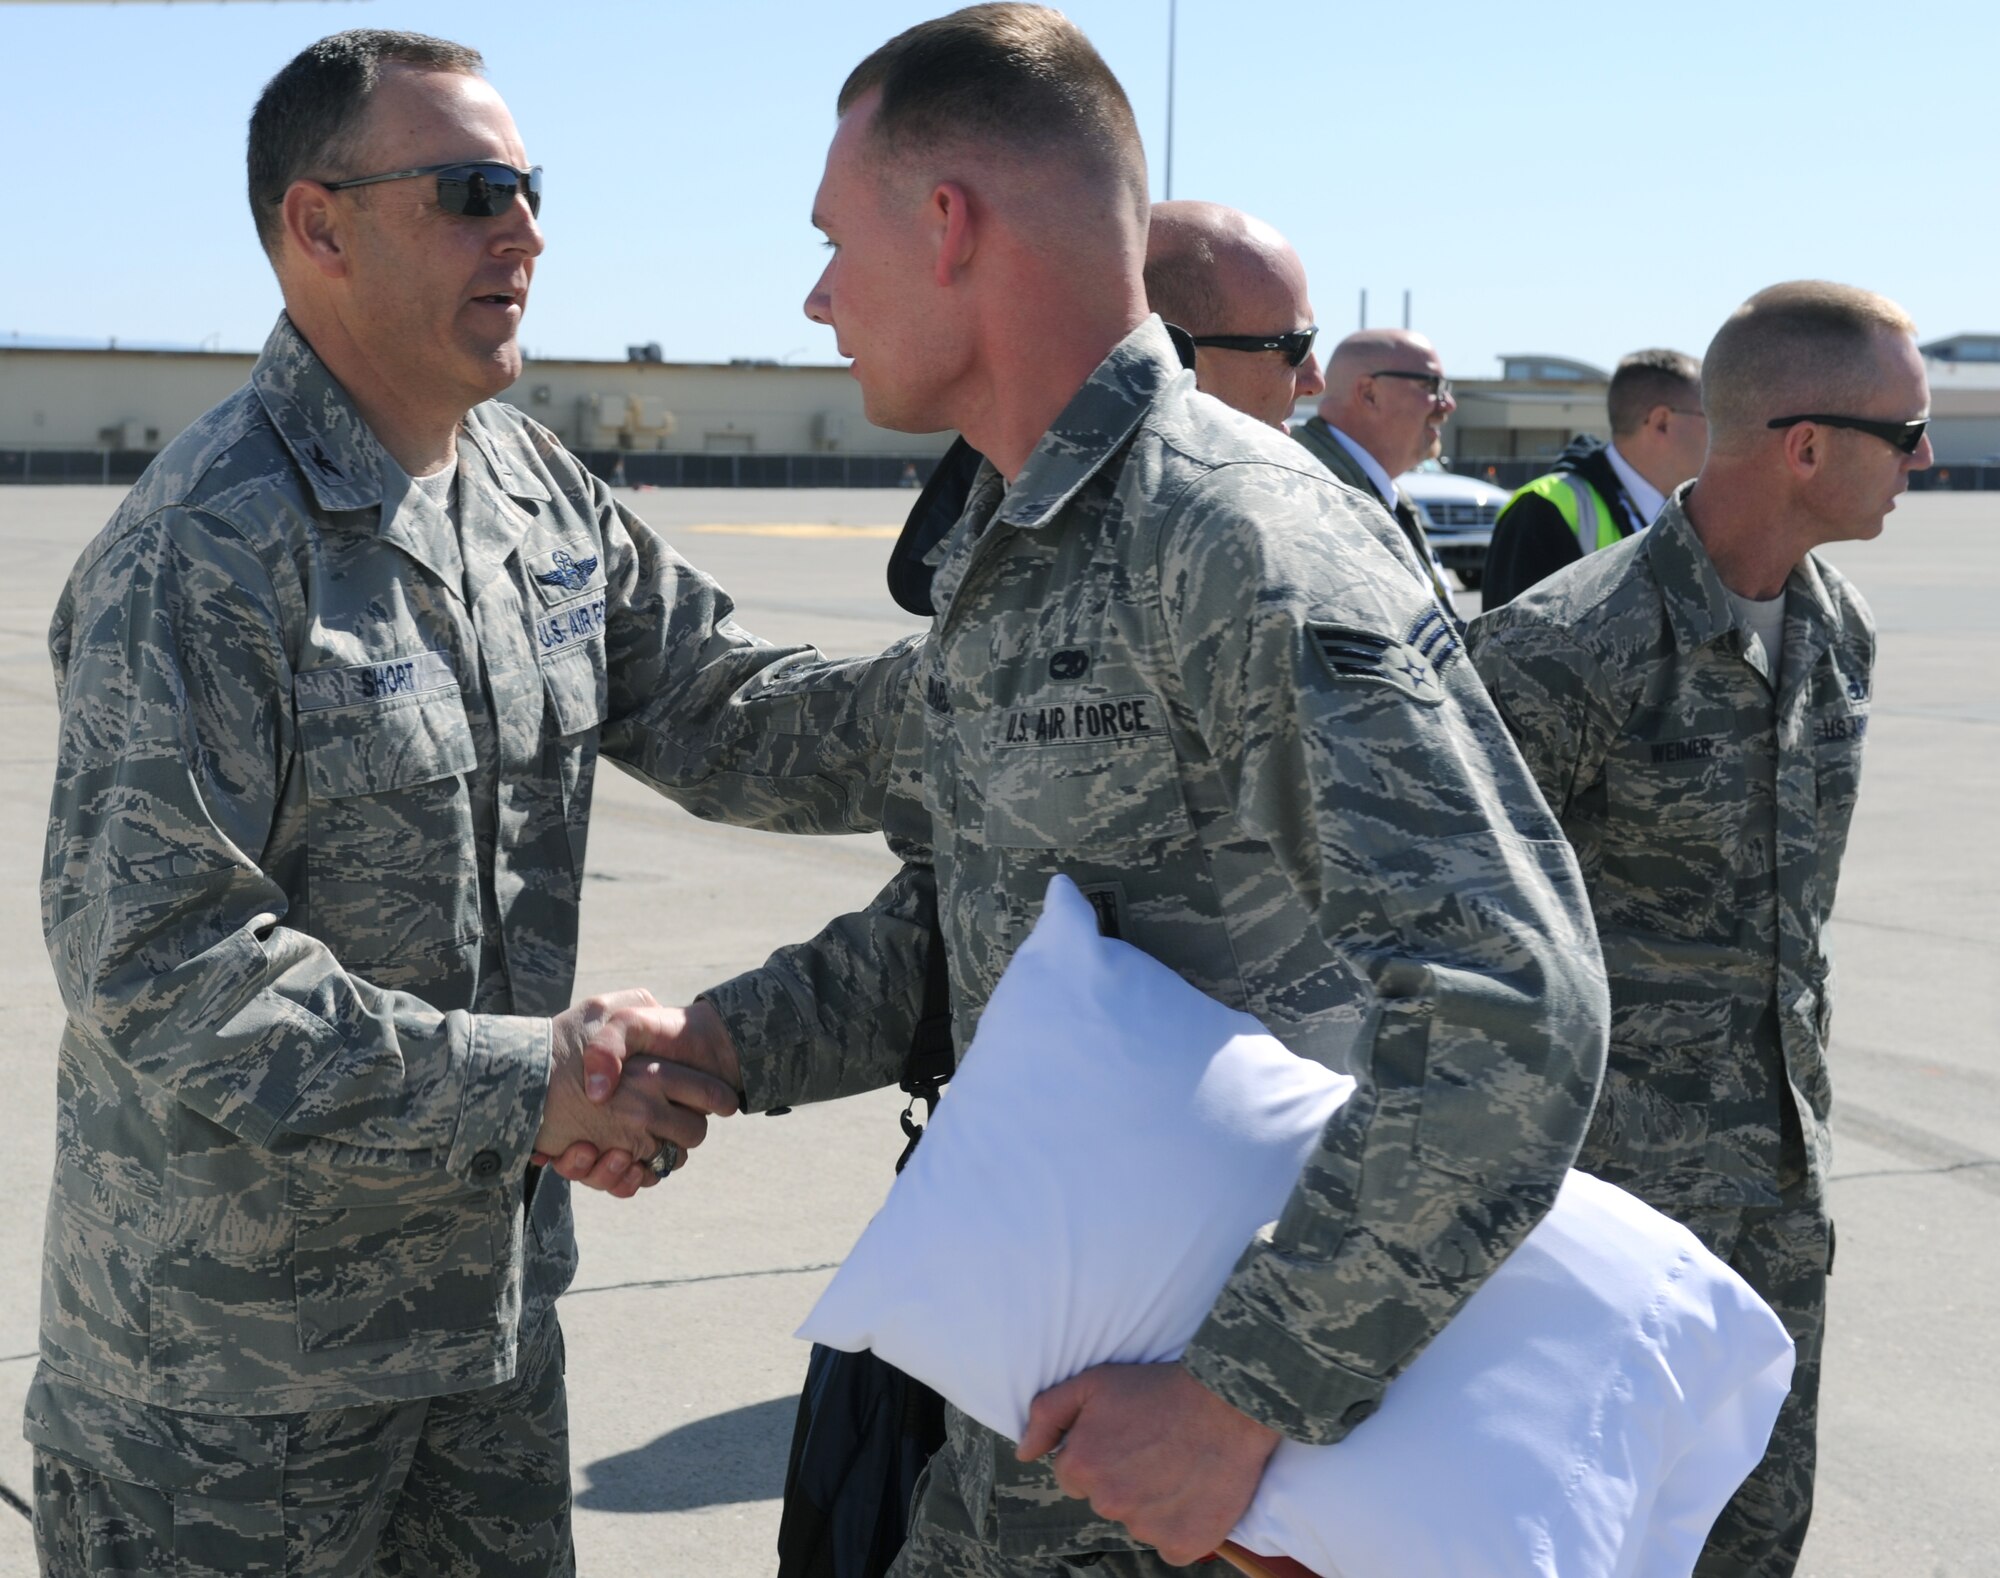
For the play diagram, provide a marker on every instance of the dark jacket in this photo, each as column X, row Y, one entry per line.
column 1531, row 540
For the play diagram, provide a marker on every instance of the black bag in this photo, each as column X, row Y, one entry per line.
column 865, row 1430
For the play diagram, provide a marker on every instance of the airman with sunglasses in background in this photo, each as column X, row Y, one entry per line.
column 1239, row 290
column 1693, row 701
column 333, row 685
column 1234, row 285
column 1384, row 410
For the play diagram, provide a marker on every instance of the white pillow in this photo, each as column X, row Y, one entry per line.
column 1112, row 1141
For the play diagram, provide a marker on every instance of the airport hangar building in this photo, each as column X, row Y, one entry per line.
column 99, row 414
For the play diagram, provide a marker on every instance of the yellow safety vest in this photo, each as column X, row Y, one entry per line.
column 1582, row 508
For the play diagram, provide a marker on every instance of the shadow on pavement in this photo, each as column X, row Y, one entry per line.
column 713, row 1462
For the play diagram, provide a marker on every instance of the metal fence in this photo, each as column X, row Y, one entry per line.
column 1955, row 479
column 618, row 467
column 73, row 465
column 654, row 470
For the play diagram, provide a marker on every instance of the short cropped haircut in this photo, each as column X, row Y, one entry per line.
column 1181, row 284
column 307, row 119
column 1021, row 77
column 1804, row 346
column 1646, row 379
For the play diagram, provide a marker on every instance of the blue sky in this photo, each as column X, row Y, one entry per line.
column 1577, row 179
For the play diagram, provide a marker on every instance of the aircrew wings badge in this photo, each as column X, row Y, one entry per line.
column 572, row 575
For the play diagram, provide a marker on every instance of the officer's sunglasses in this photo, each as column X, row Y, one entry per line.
column 1295, row 345
column 481, row 189
column 1897, row 435
column 1438, row 386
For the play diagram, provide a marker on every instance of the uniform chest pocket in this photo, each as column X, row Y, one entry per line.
column 392, row 865
column 1087, row 797
column 1676, row 809
column 578, row 687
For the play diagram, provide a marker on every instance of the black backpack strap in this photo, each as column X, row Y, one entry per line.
column 928, row 1066
column 933, row 515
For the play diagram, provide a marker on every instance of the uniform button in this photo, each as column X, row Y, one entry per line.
column 1356, row 1412
column 485, row 1164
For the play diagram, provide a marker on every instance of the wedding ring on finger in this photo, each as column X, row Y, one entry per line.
column 665, row 1158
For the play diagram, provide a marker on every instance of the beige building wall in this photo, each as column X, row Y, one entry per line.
column 1497, row 420
column 139, row 400
column 109, row 399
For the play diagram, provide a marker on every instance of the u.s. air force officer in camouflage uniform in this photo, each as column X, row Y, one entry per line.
column 1693, row 702
column 333, row 685
column 1170, row 662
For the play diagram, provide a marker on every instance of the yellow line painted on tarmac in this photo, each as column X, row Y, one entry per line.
column 793, row 529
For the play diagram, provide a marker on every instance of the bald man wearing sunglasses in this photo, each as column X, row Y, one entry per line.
column 333, row 686
column 1693, row 701
column 1232, row 284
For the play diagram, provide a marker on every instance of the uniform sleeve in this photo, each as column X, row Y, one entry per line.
column 168, row 938
column 733, row 728
column 1387, row 791
column 1547, row 691
column 835, row 1016
column 1531, row 541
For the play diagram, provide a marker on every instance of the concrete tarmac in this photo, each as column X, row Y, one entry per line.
column 682, row 1369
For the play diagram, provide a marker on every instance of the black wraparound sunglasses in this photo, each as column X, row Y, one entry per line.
column 1295, row 345
column 1897, row 435
column 480, row 189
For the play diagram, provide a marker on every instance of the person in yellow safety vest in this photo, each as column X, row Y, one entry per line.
column 1599, row 492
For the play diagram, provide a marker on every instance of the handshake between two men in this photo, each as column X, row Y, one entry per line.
column 632, row 1085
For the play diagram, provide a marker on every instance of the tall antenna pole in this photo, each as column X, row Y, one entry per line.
column 1364, row 308
column 1406, row 308
column 1173, row 27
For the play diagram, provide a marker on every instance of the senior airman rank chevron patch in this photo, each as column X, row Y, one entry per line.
column 1369, row 655
column 1434, row 636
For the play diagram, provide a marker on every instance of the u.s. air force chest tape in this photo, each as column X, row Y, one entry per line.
column 1106, row 719
column 1414, row 665
column 1093, row 775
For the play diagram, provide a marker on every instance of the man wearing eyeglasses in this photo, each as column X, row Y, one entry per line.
column 1601, row 492
column 1693, row 701
column 333, row 685
column 1384, row 410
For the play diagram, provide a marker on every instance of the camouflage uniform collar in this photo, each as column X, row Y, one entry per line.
column 1697, row 603
column 336, row 454
column 341, row 460
column 1094, row 425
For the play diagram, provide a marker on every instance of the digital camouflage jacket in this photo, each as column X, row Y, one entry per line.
column 1172, row 663
column 1708, row 801
column 313, row 865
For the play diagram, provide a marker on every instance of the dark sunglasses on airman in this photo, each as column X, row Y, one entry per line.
column 482, row 189
column 1897, row 435
column 1295, row 345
